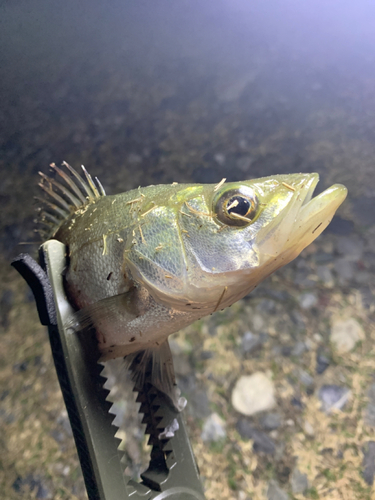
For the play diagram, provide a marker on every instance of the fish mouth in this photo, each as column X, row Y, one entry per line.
column 310, row 188
column 314, row 213
column 323, row 206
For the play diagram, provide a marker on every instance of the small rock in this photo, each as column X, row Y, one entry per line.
column 325, row 275
column 64, row 421
column 242, row 495
column 345, row 334
column 213, row 429
column 308, row 429
column 286, row 350
column 58, row 436
column 250, row 342
column 258, row 322
column 299, row 348
column 262, row 442
column 297, row 403
column 370, row 409
column 367, row 296
column 274, row 492
column 333, row 396
column 322, row 362
column 206, row 355
column 298, row 319
column 199, row 403
column 7, row 417
column 305, row 378
column 20, row 367
column 270, row 421
column 369, row 462
column 43, row 492
column 253, row 393
column 308, row 300
column 298, row 482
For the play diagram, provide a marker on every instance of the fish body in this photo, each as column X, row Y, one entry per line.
column 145, row 263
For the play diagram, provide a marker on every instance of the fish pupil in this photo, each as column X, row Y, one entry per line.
column 238, row 205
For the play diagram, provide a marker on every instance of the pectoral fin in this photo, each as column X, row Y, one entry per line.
column 112, row 309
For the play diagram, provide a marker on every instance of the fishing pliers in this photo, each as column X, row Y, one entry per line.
column 172, row 472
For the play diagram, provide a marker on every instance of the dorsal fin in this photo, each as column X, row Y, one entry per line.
column 62, row 199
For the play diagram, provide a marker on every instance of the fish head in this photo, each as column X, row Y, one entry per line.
column 204, row 247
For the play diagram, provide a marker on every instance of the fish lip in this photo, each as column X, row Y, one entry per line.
column 309, row 189
column 323, row 206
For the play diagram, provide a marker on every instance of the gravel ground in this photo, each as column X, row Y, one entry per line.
column 190, row 93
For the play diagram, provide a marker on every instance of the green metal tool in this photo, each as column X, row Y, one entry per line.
column 172, row 472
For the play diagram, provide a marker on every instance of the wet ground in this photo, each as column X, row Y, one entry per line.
column 151, row 94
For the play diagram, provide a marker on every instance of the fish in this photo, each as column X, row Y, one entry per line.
column 143, row 264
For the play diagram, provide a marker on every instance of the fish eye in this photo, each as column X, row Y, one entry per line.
column 236, row 207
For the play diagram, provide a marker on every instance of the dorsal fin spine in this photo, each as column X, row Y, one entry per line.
column 65, row 199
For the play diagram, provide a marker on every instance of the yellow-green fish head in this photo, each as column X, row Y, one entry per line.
column 205, row 246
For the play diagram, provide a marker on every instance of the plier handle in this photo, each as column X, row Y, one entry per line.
column 172, row 471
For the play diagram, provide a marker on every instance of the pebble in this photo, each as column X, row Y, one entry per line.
column 258, row 322
column 369, row 462
column 325, row 275
column 253, row 393
column 297, row 403
column 308, row 428
column 34, row 484
column 298, row 482
column 213, row 429
column 274, row 492
column 367, row 296
column 199, row 403
column 261, row 442
column 322, row 362
column 308, row 300
column 370, row 409
column 333, row 396
column 298, row 320
column 345, row 334
column 270, row 421
column 250, row 342
column 305, row 378
column 299, row 348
